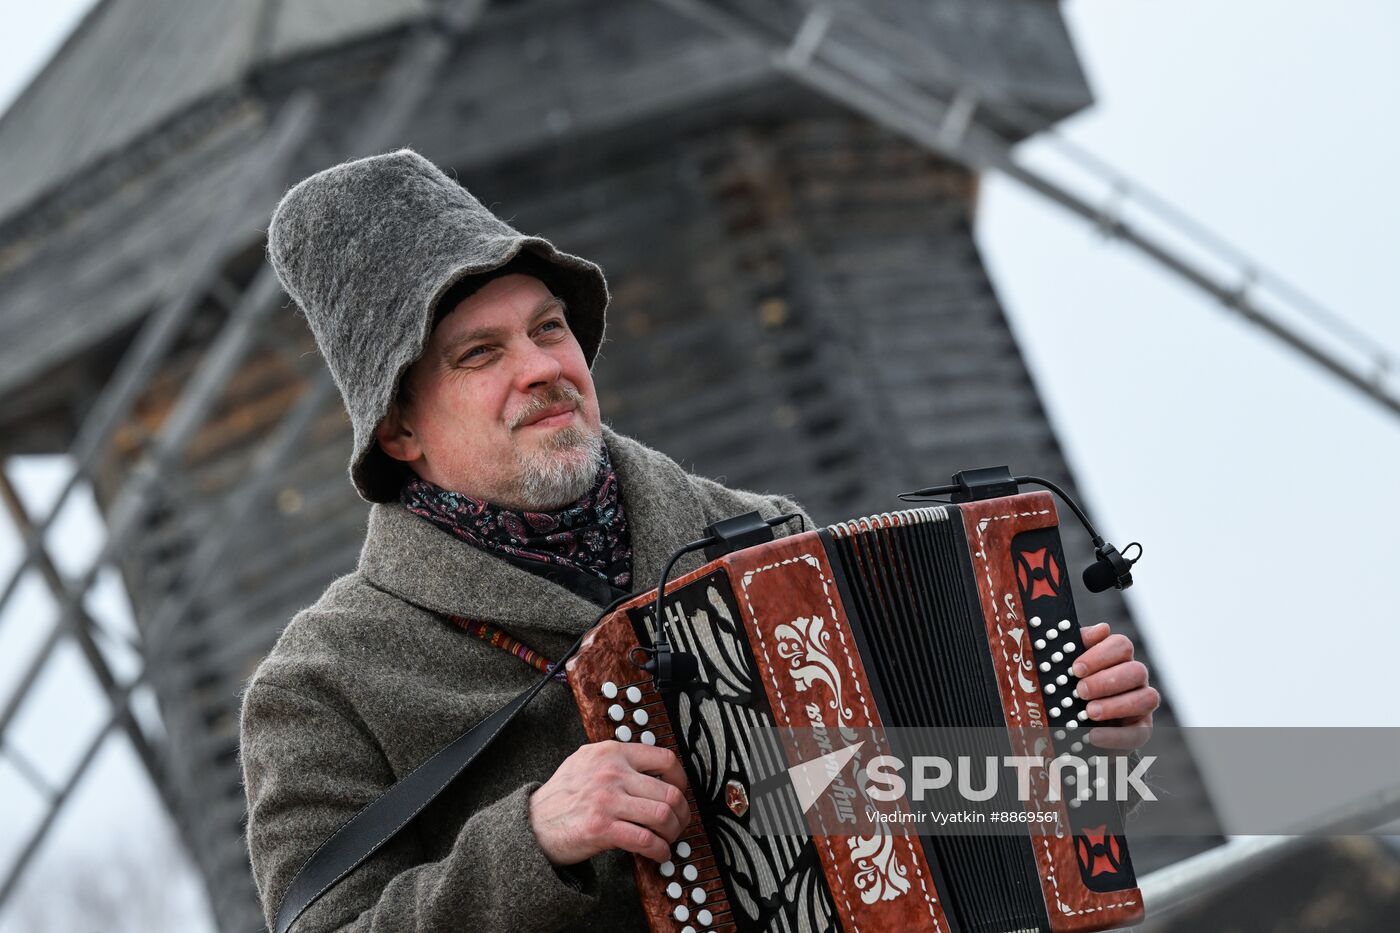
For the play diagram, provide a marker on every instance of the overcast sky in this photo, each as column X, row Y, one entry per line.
column 1263, row 491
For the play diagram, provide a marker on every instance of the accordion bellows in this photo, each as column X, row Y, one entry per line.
column 955, row 616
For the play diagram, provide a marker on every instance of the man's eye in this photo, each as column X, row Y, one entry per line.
column 557, row 325
column 474, row 351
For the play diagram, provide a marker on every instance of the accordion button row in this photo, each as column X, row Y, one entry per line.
column 611, row 691
column 640, row 718
column 668, row 868
column 1066, row 711
column 675, row 892
column 616, row 713
column 624, row 734
column 702, row 916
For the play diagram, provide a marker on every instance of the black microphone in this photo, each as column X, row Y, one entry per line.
column 1110, row 569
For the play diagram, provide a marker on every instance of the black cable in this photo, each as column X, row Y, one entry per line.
column 928, row 495
column 662, row 641
column 1083, row 519
column 1110, row 568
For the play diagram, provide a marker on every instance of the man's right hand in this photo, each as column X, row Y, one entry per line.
column 611, row 795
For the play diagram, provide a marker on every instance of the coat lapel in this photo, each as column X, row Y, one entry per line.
column 664, row 512
column 430, row 568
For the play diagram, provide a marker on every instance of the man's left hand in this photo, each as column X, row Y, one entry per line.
column 1115, row 684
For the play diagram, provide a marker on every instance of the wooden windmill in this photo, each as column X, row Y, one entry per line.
column 781, row 194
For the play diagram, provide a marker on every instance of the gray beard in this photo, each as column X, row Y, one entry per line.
column 560, row 472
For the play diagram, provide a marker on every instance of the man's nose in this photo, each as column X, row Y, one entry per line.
column 538, row 368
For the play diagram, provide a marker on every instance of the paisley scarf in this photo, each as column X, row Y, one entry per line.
column 589, row 535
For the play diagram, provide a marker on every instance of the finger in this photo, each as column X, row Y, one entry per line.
column 1093, row 634
column 1120, row 678
column 655, row 815
column 653, row 759
column 648, row 759
column 1115, row 649
column 1128, row 705
column 629, row 837
column 1133, row 734
column 644, row 785
column 642, row 757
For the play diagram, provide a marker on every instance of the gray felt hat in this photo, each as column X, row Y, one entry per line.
column 369, row 248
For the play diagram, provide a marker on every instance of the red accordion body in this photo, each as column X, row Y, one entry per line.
column 915, row 618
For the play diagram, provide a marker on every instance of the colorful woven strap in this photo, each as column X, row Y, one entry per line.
column 500, row 638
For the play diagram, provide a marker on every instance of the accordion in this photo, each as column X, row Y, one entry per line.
column 958, row 615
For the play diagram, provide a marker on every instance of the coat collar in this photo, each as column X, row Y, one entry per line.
column 420, row 563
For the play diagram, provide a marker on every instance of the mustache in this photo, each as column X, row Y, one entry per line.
column 554, row 395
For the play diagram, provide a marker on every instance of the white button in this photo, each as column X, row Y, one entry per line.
column 690, row 873
column 634, row 694
column 687, row 929
column 1067, row 702
column 640, row 717
column 610, row 690
column 681, row 913
column 704, row 917
column 1057, row 657
column 1035, row 621
column 1049, row 688
column 1071, row 725
column 683, row 849
column 1074, row 803
column 1059, row 733
column 1083, row 715
column 1064, row 625
column 698, row 896
column 674, row 890
column 1054, row 711
column 667, row 868
column 1062, row 680
column 1045, row 665
column 1039, row 643
column 648, row 738
column 1052, row 634
column 1069, row 646
column 1069, row 778
column 623, row 734
column 616, row 712
column 1077, row 747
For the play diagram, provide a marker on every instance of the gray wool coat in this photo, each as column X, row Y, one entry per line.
column 372, row 679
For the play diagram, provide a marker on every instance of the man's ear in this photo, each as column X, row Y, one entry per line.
column 396, row 437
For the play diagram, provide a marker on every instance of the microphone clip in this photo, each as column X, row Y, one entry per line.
column 1110, row 567
column 670, row 670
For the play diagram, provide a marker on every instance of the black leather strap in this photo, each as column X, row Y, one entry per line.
column 578, row 582
column 383, row 818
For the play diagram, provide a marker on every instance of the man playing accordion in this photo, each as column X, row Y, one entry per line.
column 504, row 516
